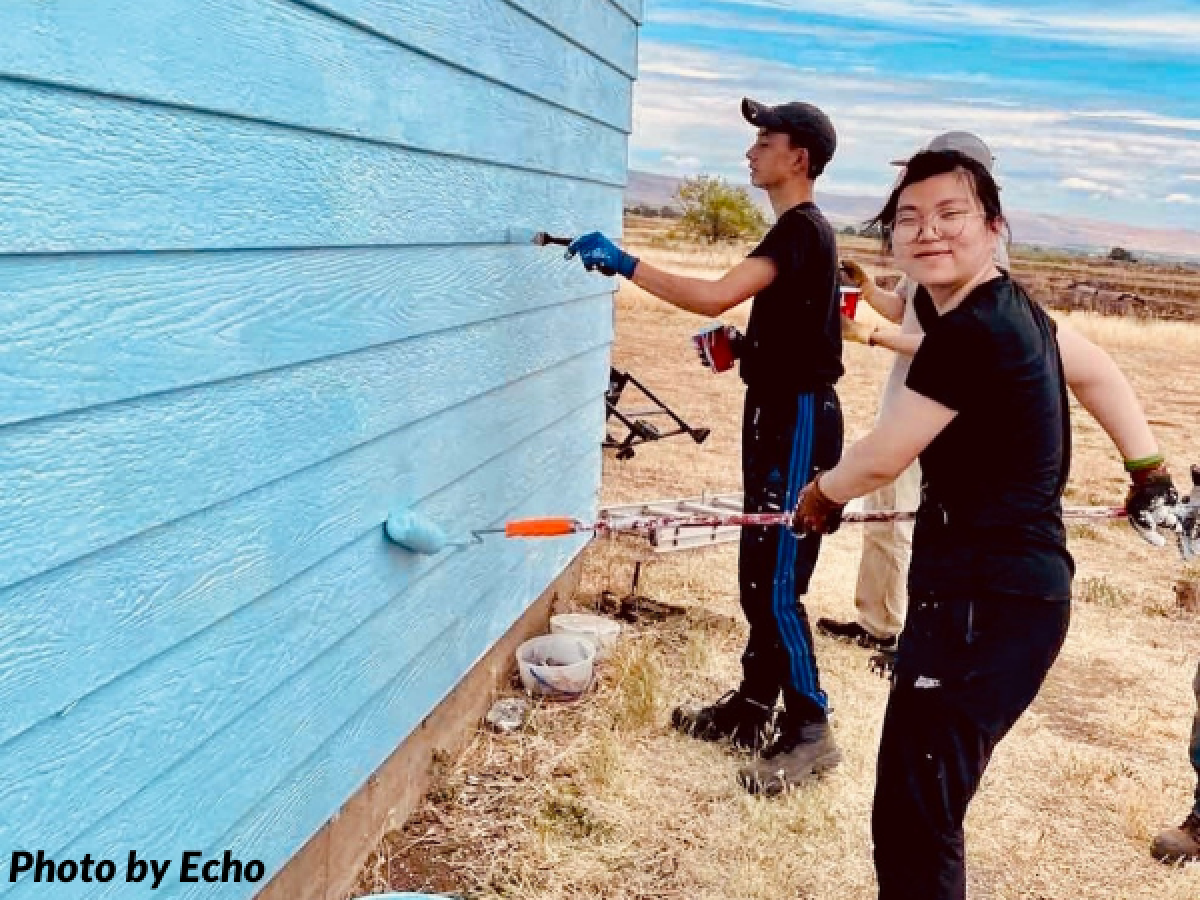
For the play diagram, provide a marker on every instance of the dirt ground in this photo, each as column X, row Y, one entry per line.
column 601, row 799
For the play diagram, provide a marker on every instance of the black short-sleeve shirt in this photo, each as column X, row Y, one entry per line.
column 794, row 339
column 991, row 510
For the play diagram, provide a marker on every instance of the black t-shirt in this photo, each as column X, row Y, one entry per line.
column 794, row 339
column 991, row 510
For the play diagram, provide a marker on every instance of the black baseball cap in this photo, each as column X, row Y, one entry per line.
column 803, row 121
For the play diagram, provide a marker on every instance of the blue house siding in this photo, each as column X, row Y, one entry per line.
column 255, row 294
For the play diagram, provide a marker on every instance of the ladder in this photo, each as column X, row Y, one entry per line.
column 672, row 538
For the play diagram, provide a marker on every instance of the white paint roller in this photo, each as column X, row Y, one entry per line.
column 415, row 533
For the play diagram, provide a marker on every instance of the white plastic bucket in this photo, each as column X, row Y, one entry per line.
column 558, row 666
column 602, row 632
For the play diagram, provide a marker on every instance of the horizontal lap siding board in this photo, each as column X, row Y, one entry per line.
column 492, row 39
column 635, row 9
column 347, row 711
column 144, row 595
column 601, row 28
column 255, row 294
column 274, row 828
column 198, row 705
column 77, row 331
column 103, row 475
column 91, row 174
column 313, row 71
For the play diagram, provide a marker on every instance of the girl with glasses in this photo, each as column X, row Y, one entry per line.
column 985, row 408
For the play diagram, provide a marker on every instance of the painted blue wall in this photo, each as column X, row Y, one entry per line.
column 254, row 294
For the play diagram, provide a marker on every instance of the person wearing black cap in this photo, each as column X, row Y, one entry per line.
column 792, row 427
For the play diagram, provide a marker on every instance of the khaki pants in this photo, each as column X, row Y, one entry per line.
column 881, row 597
column 1196, row 741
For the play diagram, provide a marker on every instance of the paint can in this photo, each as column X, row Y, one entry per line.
column 602, row 632
column 715, row 348
column 557, row 666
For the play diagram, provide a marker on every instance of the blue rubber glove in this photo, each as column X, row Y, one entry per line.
column 597, row 252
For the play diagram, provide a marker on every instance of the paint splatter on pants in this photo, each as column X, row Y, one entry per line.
column 784, row 442
column 1196, row 740
column 966, row 671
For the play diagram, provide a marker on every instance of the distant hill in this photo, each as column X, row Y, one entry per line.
column 646, row 188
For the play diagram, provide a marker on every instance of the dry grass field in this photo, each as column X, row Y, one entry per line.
column 600, row 799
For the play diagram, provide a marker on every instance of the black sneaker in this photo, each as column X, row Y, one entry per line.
column 796, row 755
column 746, row 723
column 1176, row 845
column 853, row 633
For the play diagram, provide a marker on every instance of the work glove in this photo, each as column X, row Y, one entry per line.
column 858, row 275
column 857, row 332
column 597, row 252
column 815, row 513
column 1150, row 503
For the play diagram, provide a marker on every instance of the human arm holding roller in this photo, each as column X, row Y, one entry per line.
column 695, row 295
column 907, row 425
column 1092, row 375
column 1104, row 391
column 1096, row 381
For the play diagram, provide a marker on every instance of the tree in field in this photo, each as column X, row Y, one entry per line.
column 717, row 211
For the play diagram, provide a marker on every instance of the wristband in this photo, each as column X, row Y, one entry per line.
column 1146, row 462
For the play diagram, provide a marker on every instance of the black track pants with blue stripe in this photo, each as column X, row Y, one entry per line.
column 784, row 441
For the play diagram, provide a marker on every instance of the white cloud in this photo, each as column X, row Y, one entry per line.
column 688, row 163
column 1099, row 173
column 1075, row 183
column 1155, row 30
column 1181, row 198
column 1050, row 159
column 1145, row 119
column 733, row 21
column 676, row 71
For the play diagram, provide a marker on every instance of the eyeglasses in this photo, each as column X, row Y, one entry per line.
column 948, row 225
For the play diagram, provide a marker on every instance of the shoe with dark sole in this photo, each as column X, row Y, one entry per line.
column 797, row 755
column 1177, row 845
column 853, row 633
column 883, row 664
column 745, row 723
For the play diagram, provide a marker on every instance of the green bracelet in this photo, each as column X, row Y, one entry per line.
column 1146, row 462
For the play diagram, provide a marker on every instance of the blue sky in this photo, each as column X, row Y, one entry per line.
column 1092, row 109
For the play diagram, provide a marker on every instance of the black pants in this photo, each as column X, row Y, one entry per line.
column 966, row 671
column 784, row 441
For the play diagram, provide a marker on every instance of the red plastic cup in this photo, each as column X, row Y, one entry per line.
column 714, row 348
column 851, row 294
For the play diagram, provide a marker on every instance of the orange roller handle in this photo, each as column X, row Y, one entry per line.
column 549, row 527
